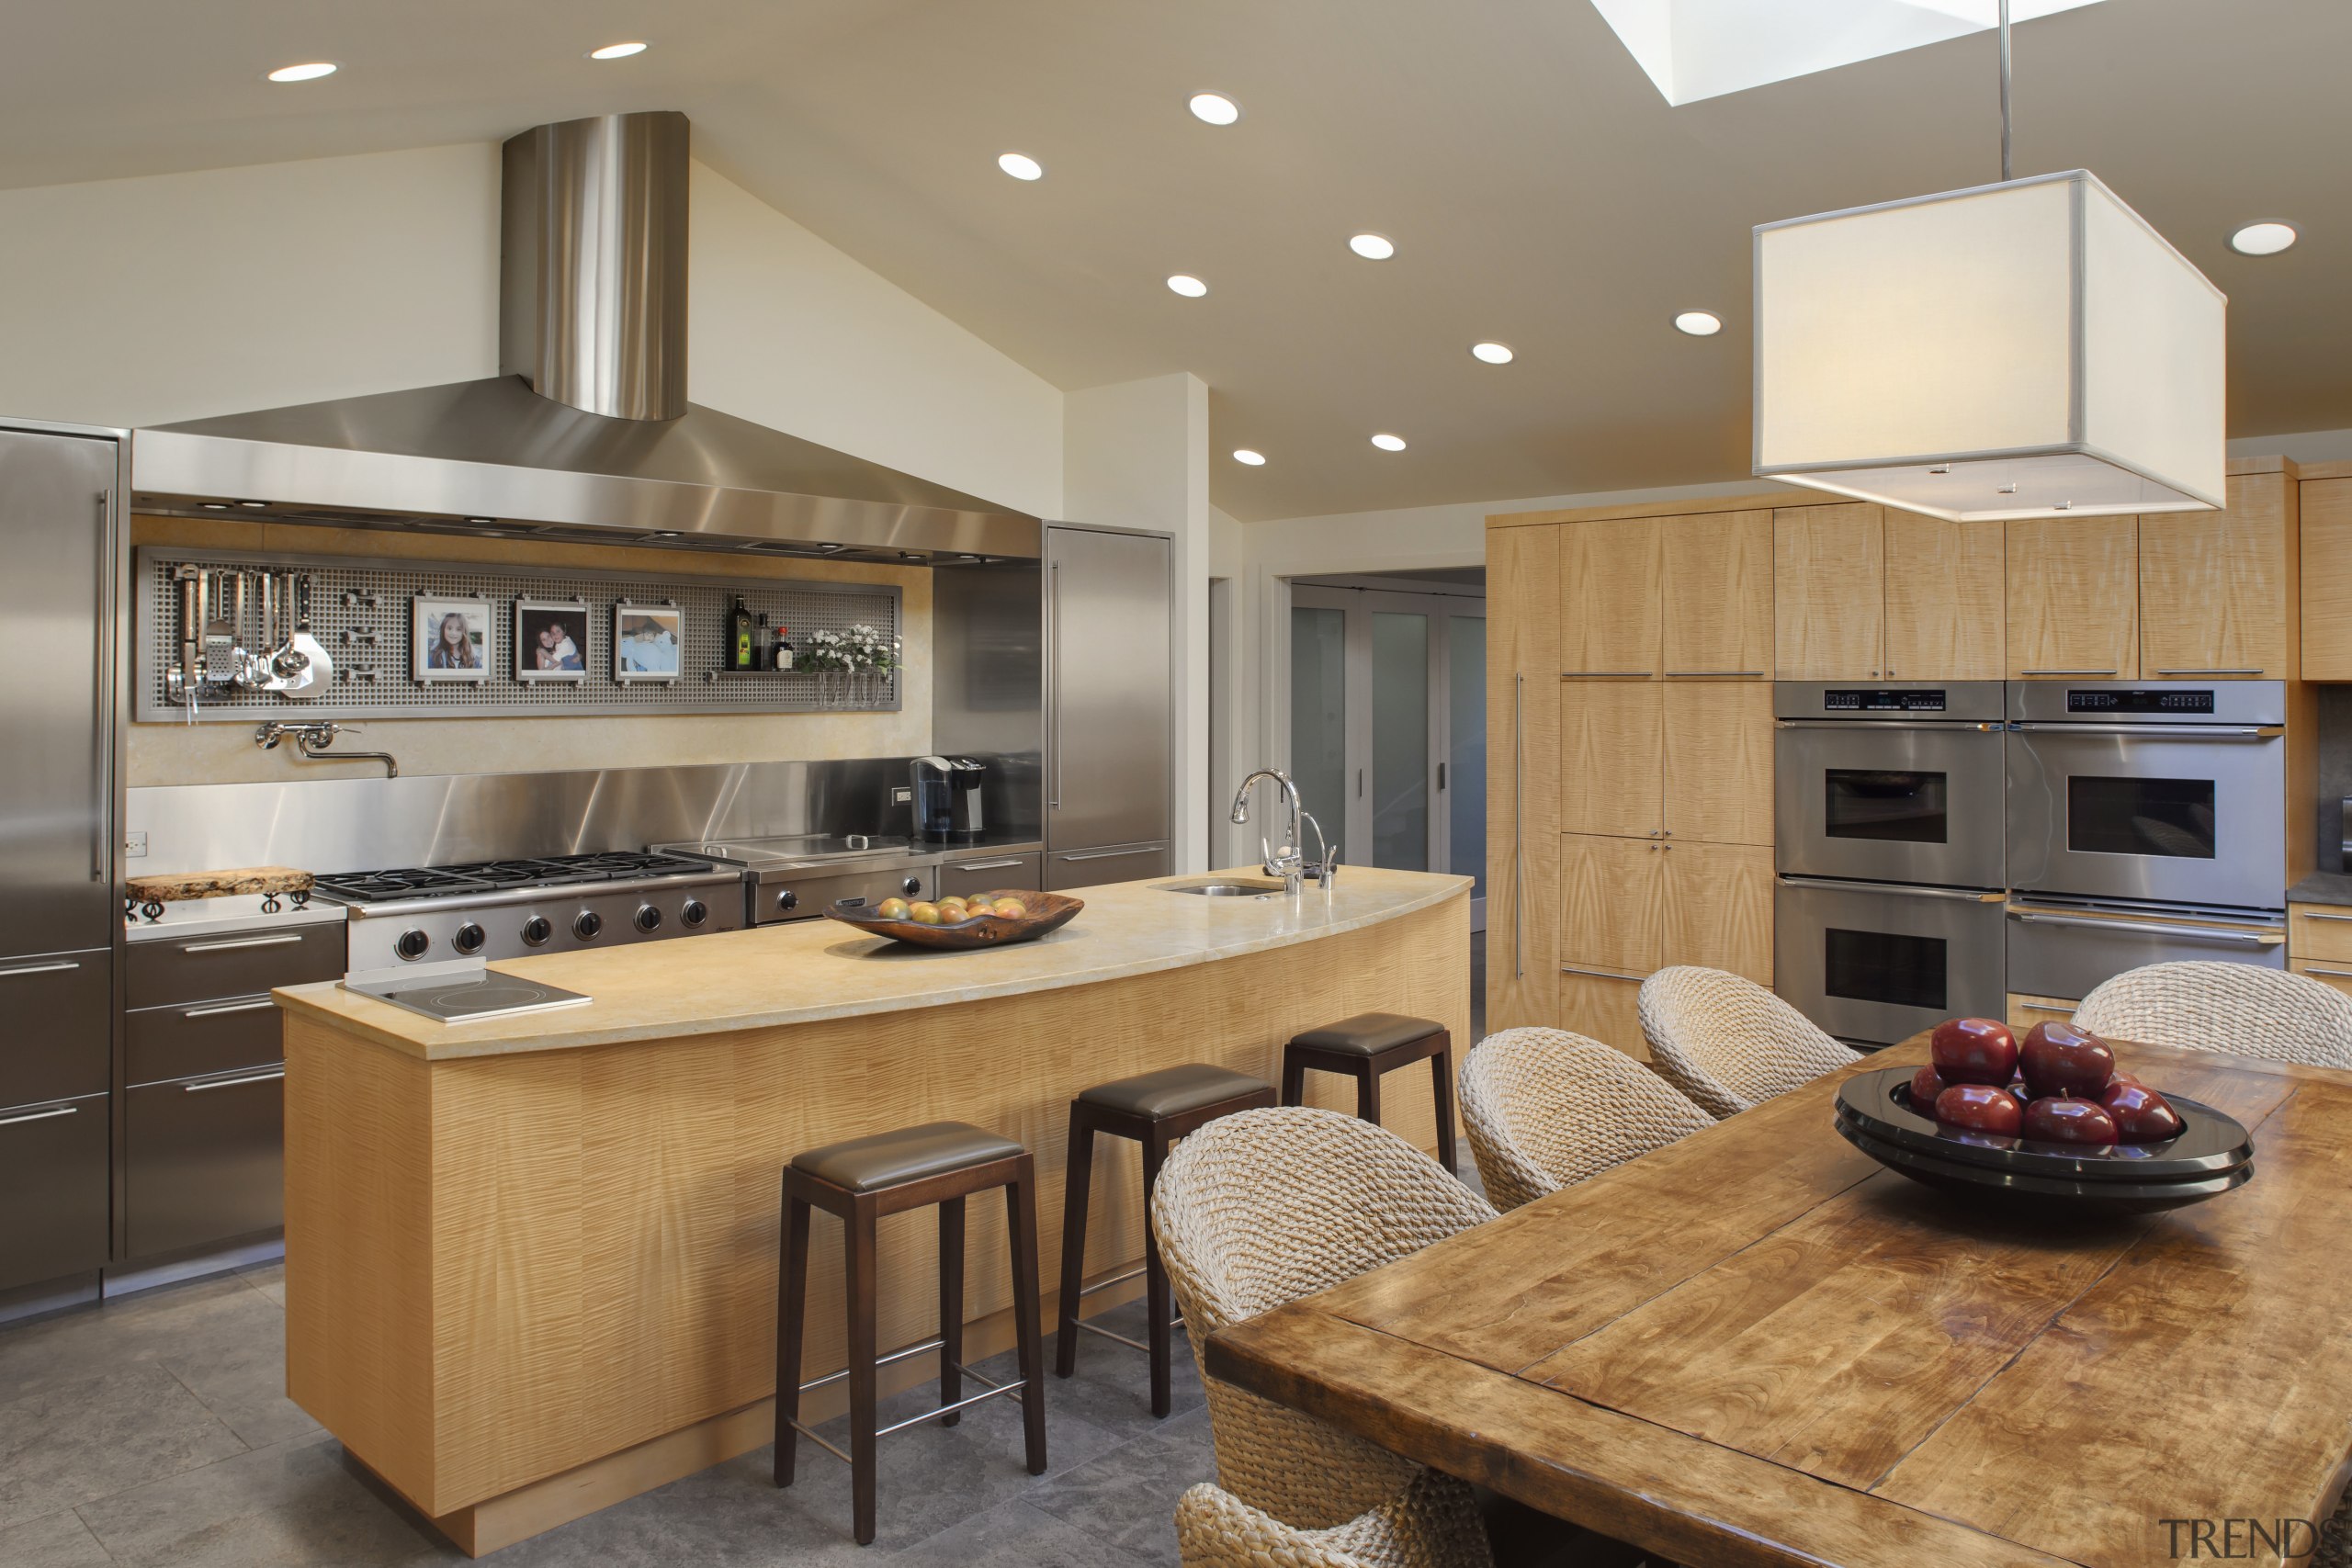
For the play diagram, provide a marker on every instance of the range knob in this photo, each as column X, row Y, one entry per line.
column 788, row 899
column 694, row 913
column 588, row 924
column 910, row 886
column 468, row 939
column 536, row 930
column 648, row 918
column 410, row 945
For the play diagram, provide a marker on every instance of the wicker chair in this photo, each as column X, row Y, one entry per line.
column 2239, row 1007
column 1727, row 1043
column 1263, row 1207
column 1421, row 1527
column 1546, row 1109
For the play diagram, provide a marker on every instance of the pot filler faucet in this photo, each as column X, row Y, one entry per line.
column 1289, row 862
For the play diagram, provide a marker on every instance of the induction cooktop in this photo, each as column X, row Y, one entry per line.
column 457, row 998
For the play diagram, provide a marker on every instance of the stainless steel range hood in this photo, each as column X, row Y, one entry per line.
column 594, row 317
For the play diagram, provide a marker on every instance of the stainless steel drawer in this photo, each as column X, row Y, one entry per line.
column 59, row 1009
column 204, row 1160
column 1088, row 868
column 209, row 968
column 53, row 1170
column 991, row 874
column 205, row 1037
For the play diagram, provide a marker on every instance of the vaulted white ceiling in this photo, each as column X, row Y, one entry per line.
column 1539, row 189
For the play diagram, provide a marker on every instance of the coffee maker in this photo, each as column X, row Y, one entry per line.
column 947, row 799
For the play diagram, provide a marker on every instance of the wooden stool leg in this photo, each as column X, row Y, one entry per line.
column 1020, row 1220
column 1294, row 1079
column 858, row 1242
column 1077, row 1181
column 1368, row 1092
column 791, row 1304
column 1442, row 1097
column 1157, row 1305
column 951, row 1306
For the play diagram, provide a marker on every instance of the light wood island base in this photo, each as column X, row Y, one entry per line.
column 528, row 1278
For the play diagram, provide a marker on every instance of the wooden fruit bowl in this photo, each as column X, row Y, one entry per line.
column 1047, row 911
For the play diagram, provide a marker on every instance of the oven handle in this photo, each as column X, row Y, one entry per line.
column 2127, row 928
column 1902, row 890
column 1950, row 724
column 2164, row 731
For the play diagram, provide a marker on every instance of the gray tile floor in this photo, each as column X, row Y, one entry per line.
column 155, row 1430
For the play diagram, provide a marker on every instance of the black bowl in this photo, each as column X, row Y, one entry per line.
column 1979, row 1183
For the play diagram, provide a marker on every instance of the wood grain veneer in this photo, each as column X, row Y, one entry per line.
column 1522, row 765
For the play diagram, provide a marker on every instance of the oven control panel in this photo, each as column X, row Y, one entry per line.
column 1884, row 700
column 2157, row 699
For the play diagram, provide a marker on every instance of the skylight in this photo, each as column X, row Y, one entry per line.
column 1703, row 49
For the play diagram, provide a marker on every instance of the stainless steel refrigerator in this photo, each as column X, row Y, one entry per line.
column 1110, row 709
column 62, row 490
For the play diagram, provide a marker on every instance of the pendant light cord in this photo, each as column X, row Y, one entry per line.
column 2004, row 92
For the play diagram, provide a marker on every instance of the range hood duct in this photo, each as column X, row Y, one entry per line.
column 587, row 434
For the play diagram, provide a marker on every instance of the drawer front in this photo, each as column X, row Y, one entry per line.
column 208, row 968
column 58, row 1008
column 1091, row 868
column 2025, row 1011
column 53, row 1170
column 992, row 873
column 2337, row 975
column 2320, row 930
column 201, row 1037
column 204, row 1159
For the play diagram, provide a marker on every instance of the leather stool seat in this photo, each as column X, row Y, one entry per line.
column 1171, row 1091
column 909, row 1154
column 1368, row 1033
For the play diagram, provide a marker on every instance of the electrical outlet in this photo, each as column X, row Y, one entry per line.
column 902, row 796
column 134, row 845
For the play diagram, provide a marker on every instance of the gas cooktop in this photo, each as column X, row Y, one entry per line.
column 493, row 875
column 795, row 849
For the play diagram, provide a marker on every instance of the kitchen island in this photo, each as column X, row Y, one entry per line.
column 531, row 1262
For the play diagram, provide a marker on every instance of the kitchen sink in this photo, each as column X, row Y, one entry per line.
column 1225, row 889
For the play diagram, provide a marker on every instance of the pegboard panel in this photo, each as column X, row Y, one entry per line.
column 361, row 612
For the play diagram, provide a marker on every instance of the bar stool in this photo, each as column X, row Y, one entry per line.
column 1368, row 1045
column 861, row 1180
column 1155, row 1110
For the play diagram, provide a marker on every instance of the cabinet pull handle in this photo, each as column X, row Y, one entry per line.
column 2208, row 672
column 2065, row 671
column 2307, row 914
column 982, row 864
column 1599, row 974
column 1719, row 674
column 2307, row 969
column 240, row 943
column 40, row 1115
column 1054, row 674
column 102, row 829
column 254, row 1006
column 1519, row 826
column 2039, row 1006
column 1101, row 854
column 1606, row 674
column 233, row 1083
column 61, row 967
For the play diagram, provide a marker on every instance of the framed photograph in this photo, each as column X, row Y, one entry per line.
column 648, row 641
column 550, row 639
column 448, row 637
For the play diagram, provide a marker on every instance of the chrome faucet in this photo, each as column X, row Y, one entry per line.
column 311, row 740
column 1289, row 862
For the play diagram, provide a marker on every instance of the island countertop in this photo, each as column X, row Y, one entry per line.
column 810, row 970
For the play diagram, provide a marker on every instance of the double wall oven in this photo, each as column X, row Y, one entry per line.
column 1888, row 830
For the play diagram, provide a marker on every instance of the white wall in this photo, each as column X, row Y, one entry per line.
column 143, row 301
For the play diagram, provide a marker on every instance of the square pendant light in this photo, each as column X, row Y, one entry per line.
column 2029, row 349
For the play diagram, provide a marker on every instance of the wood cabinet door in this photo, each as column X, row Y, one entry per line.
column 1944, row 611
column 1715, row 571
column 1522, row 773
column 1608, row 598
column 1604, row 1008
column 2216, row 587
column 2074, row 591
column 2326, row 534
column 1718, row 761
column 1608, row 896
column 1828, row 592
column 1717, row 908
column 1610, row 758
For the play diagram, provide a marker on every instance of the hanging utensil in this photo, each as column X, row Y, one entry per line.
column 310, row 677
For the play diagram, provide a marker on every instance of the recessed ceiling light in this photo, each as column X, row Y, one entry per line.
column 1215, row 108
column 1699, row 323
column 1388, row 443
column 1372, row 247
column 1019, row 165
column 616, row 52
column 1492, row 353
column 2262, row 239
column 1254, row 459
column 1191, row 287
column 310, row 73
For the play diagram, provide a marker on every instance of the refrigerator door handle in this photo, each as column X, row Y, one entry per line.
column 102, row 819
column 1054, row 674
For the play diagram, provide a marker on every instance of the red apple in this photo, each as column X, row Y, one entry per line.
column 2064, row 1119
column 2059, row 1060
column 2141, row 1115
column 1973, row 1050
column 1979, row 1108
column 1926, row 1084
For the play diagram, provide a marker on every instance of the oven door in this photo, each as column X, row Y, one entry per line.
column 1876, row 964
column 2066, row 952
column 2179, row 814
column 1888, row 800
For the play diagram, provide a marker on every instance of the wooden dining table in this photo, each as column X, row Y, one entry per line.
column 1757, row 1346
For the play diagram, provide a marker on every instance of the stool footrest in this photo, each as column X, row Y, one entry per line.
column 1009, row 1388
column 928, row 1344
column 1134, row 1273
column 821, row 1443
column 994, row 1388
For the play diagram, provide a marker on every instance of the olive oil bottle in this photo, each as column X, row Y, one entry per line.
column 739, row 643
